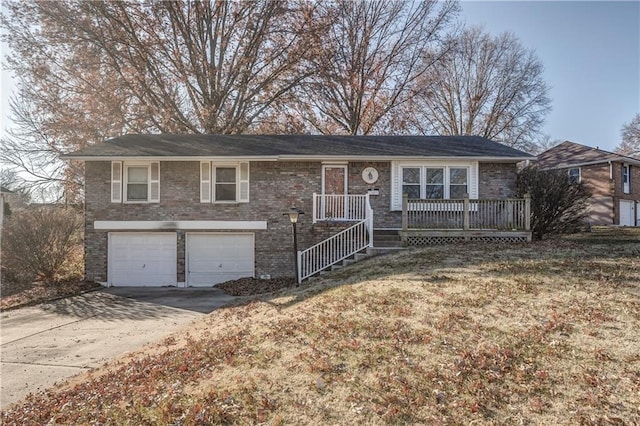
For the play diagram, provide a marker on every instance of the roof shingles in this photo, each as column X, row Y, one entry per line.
column 569, row 154
column 297, row 146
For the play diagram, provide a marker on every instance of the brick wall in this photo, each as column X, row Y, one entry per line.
column 274, row 188
column 618, row 194
column 496, row 180
column 605, row 183
column 601, row 206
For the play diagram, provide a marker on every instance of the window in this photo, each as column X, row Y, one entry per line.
column 224, row 183
column 411, row 181
column 626, row 178
column 574, row 175
column 135, row 182
column 433, row 180
column 224, row 188
column 458, row 177
column 434, row 188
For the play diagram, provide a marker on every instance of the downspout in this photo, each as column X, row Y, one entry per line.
column 610, row 170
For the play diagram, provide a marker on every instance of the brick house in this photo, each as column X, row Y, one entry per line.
column 614, row 180
column 201, row 209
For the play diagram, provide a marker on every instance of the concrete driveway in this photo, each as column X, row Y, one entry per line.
column 45, row 344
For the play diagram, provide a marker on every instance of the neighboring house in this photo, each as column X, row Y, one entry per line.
column 201, row 209
column 614, row 180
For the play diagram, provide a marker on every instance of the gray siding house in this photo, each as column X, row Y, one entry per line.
column 196, row 210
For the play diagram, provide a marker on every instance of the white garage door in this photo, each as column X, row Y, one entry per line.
column 627, row 213
column 216, row 258
column 142, row 259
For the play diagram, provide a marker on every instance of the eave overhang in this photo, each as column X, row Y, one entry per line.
column 324, row 158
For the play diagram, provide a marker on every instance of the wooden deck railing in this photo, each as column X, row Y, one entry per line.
column 466, row 214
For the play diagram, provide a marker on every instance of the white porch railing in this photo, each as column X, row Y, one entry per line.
column 338, row 247
column 339, row 207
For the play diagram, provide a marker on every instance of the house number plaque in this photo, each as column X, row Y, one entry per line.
column 370, row 175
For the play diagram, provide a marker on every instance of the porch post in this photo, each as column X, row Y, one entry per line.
column 465, row 224
column 527, row 212
column 369, row 216
column 315, row 209
column 405, row 209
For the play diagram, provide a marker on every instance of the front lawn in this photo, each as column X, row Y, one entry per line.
column 540, row 333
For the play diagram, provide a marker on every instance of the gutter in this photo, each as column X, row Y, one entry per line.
column 297, row 158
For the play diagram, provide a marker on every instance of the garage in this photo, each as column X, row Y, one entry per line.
column 146, row 259
column 213, row 258
column 627, row 213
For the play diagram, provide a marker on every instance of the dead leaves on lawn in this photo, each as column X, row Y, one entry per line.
column 544, row 334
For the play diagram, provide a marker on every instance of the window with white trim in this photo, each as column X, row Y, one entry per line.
column 135, row 181
column 411, row 181
column 224, row 182
column 434, row 184
column 626, row 178
column 574, row 175
column 433, row 181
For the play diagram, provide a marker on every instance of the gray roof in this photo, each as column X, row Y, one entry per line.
column 297, row 147
column 569, row 154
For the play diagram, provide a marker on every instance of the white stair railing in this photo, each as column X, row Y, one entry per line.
column 338, row 247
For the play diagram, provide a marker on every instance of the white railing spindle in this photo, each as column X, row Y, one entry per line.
column 343, row 244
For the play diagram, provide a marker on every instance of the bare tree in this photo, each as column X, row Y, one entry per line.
column 486, row 86
column 630, row 133
column 543, row 143
column 371, row 57
column 92, row 70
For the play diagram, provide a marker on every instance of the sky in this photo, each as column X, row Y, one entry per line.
column 591, row 54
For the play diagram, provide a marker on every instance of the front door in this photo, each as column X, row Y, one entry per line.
column 334, row 189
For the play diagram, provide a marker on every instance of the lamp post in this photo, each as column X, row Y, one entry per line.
column 294, row 213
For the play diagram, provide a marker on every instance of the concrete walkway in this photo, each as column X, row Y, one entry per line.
column 45, row 344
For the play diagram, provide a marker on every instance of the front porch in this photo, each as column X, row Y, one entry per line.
column 426, row 222
column 429, row 221
column 423, row 222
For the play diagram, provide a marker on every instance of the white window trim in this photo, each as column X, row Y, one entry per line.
column 125, row 181
column 343, row 166
column 579, row 173
column 208, row 183
column 119, row 181
column 626, row 186
column 396, row 179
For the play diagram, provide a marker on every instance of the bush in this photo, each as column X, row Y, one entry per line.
column 41, row 244
column 557, row 206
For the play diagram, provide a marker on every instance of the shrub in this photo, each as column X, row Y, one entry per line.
column 557, row 206
column 41, row 243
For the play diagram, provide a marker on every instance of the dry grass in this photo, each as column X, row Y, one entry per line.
column 544, row 333
column 20, row 294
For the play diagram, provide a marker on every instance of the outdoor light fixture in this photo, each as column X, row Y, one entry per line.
column 294, row 214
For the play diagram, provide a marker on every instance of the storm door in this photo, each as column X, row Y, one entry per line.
column 334, row 191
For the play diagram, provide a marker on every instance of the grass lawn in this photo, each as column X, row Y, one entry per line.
column 540, row 333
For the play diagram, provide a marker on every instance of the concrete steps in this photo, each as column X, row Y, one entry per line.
column 385, row 241
column 386, row 238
